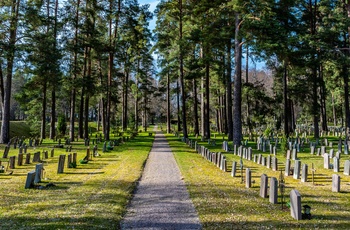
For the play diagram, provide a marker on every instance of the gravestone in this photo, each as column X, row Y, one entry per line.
column 331, row 153
column 263, row 161
column 288, row 154
column 12, row 162
column 36, row 157
column 338, row 155
column 287, row 169
column 27, row 158
column 74, row 161
column 312, row 149
column 297, row 167
column 250, row 152
column 259, row 159
column 234, row 167
column 295, row 204
column 104, row 149
column 223, row 166
column 20, row 159
column 61, row 160
column 46, row 154
column 255, row 158
column 294, row 155
column 69, row 161
column 6, row 152
column 323, row 150
column 273, row 195
column 52, row 152
column 326, row 161
column 263, row 186
column 274, row 164
column 318, row 151
column 274, row 150
column 268, row 163
column 335, row 164
column 88, row 153
column 248, row 178
column 335, row 183
column 304, row 173
column 39, row 169
column 347, row 167
column 30, row 180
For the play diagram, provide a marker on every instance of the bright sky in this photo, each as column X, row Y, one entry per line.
column 152, row 7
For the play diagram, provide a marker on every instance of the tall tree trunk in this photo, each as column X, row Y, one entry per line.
column 333, row 110
column 346, row 77
column 43, row 112
column 178, row 106
column 136, row 105
column 195, row 107
column 323, row 101
column 237, row 96
column 285, row 99
column 229, row 92
column 2, row 93
column 168, row 112
column 75, row 74
column 181, row 75
column 207, row 99
column 247, row 96
column 53, row 93
column 125, row 101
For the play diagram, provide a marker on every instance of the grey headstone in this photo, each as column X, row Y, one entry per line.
column 335, row 164
column 297, row 167
column 335, row 183
column 38, row 172
column 288, row 154
column 347, row 167
column 234, row 167
column 304, row 173
column 312, row 149
column 295, row 204
column 294, row 154
column 263, row 186
column 287, row 169
column 248, row 178
column 323, row 150
column 273, row 196
column 274, row 164
column 268, row 162
column 326, row 161
column 30, row 179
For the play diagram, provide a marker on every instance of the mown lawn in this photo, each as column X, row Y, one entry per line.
column 223, row 202
column 91, row 196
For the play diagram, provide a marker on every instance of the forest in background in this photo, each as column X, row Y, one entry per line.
column 86, row 60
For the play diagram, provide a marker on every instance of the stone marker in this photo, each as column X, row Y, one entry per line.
column 12, row 162
column 69, row 161
column 326, row 161
column 274, row 164
column 312, row 149
column 273, row 195
column 335, row 183
column 6, row 152
column 304, row 173
column 263, row 186
column 248, row 178
column 52, row 152
column 36, row 157
column 268, row 162
column 287, row 169
column 20, row 159
column 61, row 160
column 335, row 164
column 295, row 204
column 30, row 179
column 27, row 158
column 39, row 169
column 288, row 154
column 347, row 167
column 294, row 154
column 297, row 166
column 234, row 167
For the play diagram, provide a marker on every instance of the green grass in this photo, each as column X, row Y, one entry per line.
column 223, row 202
column 91, row 196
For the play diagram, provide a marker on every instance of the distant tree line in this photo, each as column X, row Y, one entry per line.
column 77, row 59
column 205, row 48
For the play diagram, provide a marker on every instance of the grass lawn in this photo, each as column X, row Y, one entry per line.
column 91, row 196
column 223, row 202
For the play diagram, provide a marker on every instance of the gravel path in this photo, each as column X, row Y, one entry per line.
column 161, row 200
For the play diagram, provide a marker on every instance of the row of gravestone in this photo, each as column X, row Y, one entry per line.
column 266, row 191
column 27, row 158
